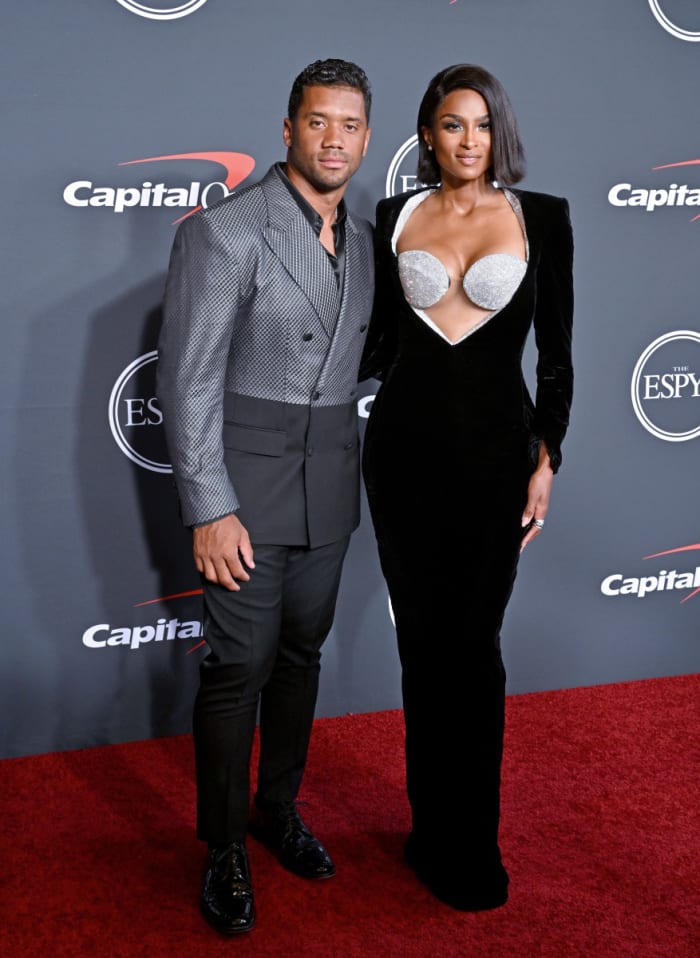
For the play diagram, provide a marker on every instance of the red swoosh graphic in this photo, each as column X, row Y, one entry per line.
column 176, row 595
column 164, row 598
column 669, row 552
column 668, row 166
column 237, row 166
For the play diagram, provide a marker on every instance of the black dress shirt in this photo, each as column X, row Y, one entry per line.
column 316, row 223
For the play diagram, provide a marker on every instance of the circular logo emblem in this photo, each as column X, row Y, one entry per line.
column 666, row 386
column 692, row 35
column 402, row 169
column 162, row 9
column 135, row 417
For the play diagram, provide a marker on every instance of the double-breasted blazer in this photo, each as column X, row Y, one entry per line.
column 257, row 372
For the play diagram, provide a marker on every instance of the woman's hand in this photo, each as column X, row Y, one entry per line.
column 538, row 493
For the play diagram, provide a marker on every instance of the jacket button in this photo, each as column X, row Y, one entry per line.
column 349, row 445
column 310, row 451
column 316, row 395
column 363, row 327
column 307, row 336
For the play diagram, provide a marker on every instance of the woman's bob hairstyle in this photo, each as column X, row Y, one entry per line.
column 507, row 154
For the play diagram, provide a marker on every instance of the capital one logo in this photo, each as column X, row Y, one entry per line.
column 654, row 198
column 163, row 9
column 135, row 417
column 666, row 386
column 105, row 635
column 661, row 580
column 195, row 196
column 679, row 32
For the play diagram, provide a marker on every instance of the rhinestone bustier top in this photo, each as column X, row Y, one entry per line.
column 490, row 282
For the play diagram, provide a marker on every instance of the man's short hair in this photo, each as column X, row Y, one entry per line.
column 330, row 73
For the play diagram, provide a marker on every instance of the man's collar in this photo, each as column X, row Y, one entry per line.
column 314, row 218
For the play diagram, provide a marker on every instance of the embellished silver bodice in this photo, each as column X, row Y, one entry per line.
column 489, row 283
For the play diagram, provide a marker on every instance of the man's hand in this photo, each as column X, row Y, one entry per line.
column 221, row 550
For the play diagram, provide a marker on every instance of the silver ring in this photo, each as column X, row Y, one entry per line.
column 539, row 523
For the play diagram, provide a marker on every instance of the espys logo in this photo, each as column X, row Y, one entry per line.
column 163, row 10
column 653, row 198
column 135, row 417
column 666, row 386
column 682, row 34
column 665, row 580
column 106, row 636
column 195, row 196
column 402, row 169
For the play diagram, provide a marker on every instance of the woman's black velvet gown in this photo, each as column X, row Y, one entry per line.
column 450, row 445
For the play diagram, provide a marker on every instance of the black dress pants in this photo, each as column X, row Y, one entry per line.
column 265, row 650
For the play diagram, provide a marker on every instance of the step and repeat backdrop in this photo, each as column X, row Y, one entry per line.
column 122, row 118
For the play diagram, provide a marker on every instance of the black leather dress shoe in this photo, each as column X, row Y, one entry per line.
column 281, row 828
column 227, row 895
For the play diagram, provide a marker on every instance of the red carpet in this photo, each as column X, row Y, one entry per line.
column 600, row 835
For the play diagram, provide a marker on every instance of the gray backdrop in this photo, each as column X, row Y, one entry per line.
column 606, row 93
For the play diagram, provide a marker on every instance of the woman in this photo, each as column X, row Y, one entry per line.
column 458, row 460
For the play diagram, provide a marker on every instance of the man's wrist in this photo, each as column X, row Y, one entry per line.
column 209, row 522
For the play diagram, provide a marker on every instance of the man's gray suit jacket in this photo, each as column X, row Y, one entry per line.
column 257, row 378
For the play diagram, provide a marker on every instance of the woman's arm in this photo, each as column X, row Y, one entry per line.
column 553, row 325
column 381, row 344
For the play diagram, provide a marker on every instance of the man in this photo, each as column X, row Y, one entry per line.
column 266, row 310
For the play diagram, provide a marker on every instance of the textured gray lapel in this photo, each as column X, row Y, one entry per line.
column 356, row 301
column 291, row 238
